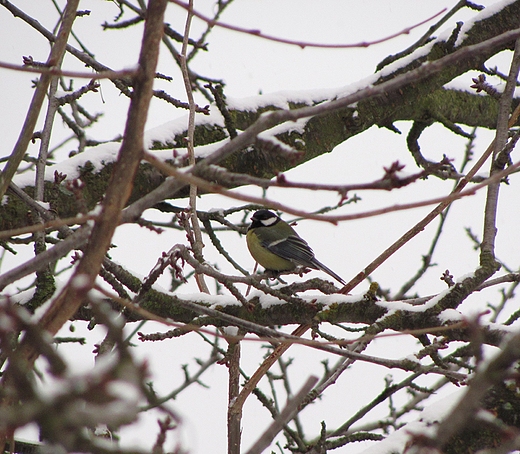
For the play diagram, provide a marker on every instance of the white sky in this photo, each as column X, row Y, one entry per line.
column 250, row 65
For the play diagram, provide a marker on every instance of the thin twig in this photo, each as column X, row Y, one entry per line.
column 233, row 419
column 427, row 258
column 489, row 234
column 189, row 178
column 51, row 71
column 424, row 38
column 302, row 44
column 236, row 407
column 198, row 244
column 54, row 60
column 283, row 418
column 387, row 392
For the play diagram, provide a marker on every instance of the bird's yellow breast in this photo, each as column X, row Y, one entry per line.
column 265, row 257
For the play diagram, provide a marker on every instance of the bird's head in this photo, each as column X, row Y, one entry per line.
column 264, row 218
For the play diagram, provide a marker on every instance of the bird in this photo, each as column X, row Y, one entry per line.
column 276, row 246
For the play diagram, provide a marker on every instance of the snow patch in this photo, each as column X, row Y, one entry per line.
column 487, row 12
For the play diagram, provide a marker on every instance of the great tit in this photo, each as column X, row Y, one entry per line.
column 277, row 247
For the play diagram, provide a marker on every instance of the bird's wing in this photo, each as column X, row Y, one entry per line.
column 297, row 251
column 294, row 249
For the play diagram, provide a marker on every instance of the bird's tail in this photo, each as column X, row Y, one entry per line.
column 322, row 267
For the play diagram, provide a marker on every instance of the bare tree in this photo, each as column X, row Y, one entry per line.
column 70, row 208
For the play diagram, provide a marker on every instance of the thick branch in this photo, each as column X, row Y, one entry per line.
column 408, row 96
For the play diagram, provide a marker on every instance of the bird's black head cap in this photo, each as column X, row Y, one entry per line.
column 263, row 218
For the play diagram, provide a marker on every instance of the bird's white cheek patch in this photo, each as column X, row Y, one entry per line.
column 268, row 222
